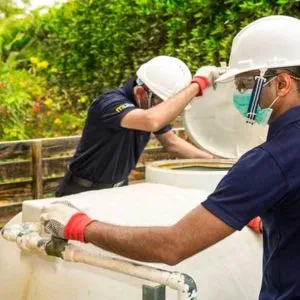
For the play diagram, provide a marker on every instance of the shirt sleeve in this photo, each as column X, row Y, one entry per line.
column 113, row 113
column 252, row 186
column 163, row 130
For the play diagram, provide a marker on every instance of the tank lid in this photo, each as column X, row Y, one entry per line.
column 213, row 123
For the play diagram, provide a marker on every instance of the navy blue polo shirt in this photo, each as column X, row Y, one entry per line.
column 265, row 182
column 107, row 152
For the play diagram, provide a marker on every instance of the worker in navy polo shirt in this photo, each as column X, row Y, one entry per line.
column 265, row 182
column 119, row 124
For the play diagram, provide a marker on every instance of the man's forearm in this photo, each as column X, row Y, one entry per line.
column 181, row 148
column 184, row 149
column 168, row 110
column 140, row 243
column 196, row 231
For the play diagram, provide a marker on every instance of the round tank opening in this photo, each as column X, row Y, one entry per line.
column 198, row 168
column 195, row 164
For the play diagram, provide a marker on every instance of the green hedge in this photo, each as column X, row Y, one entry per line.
column 98, row 44
column 91, row 46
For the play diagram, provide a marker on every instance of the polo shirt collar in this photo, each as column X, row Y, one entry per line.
column 128, row 89
column 287, row 118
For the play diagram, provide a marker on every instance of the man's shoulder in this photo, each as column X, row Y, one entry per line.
column 256, row 152
column 254, row 161
column 284, row 150
column 282, row 144
column 112, row 96
column 115, row 99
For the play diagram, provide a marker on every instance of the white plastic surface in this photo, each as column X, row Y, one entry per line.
column 214, row 124
column 230, row 270
column 15, row 269
column 201, row 178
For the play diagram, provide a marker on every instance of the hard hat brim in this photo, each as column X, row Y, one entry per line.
column 227, row 75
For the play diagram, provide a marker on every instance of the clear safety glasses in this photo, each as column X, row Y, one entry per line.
column 152, row 98
column 244, row 83
column 255, row 83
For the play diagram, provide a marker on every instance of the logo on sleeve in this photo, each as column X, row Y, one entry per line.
column 123, row 106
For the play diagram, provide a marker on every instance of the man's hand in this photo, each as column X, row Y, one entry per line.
column 256, row 225
column 209, row 72
column 204, row 77
column 62, row 219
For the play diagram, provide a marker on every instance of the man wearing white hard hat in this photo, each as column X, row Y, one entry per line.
column 264, row 61
column 119, row 124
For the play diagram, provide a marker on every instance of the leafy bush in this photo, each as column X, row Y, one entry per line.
column 27, row 109
column 97, row 45
column 17, row 93
column 86, row 47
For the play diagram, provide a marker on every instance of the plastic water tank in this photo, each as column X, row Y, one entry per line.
column 228, row 270
column 213, row 124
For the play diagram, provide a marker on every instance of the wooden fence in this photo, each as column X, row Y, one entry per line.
column 32, row 169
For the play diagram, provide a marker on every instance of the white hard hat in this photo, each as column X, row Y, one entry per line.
column 269, row 42
column 165, row 76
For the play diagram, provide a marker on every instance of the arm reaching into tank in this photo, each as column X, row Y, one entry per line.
column 196, row 231
column 181, row 148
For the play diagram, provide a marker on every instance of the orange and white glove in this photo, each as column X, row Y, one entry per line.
column 62, row 219
column 204, row 77
column 256, row 225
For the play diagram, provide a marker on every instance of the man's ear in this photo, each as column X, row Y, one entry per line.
column 284, row 82
column 139, row 94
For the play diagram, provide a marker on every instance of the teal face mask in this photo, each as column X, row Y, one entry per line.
column 241, row 103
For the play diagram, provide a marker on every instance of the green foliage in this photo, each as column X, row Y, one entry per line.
column 27, row 109
column 83, row 48
column 97, row 45
column 10, row 8
column 15, row 41
column 107, row 42
column 17, row 93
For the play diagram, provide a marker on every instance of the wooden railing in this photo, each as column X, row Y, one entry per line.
column 31, row 169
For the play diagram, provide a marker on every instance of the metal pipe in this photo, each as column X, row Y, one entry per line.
column 27, row 236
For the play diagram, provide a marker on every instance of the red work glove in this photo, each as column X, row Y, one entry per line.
column 204, row 77
column 202, row 83
column 62, row 219
column 256, row 225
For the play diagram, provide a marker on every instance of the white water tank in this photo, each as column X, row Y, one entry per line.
column 229, row 270
column 213, row 124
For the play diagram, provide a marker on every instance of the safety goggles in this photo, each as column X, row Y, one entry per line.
column 152, row 98
column 255, row 83
column 244, row 83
